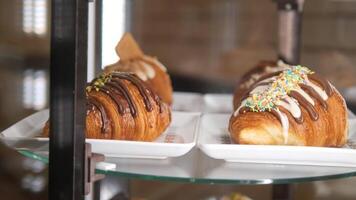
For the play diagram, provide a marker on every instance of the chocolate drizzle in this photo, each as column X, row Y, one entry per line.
column 244, row 109
column 104, row 118
column 304, row 103
column 119, row 87
column 136, row 81
column 144, row 91
column 324, row 83
column 276, row 114
column 107, row 90
column 299, row 119
column 314, row 94
column 114, row 87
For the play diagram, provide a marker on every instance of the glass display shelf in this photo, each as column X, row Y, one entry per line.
column 196, row 167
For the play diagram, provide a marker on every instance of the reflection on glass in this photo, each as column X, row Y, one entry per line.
column 34, row 89
column 39, row 90
column 27, row 89
column 34, row 19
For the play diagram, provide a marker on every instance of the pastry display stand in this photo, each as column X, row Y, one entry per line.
column 196, row 167
column 71, row 162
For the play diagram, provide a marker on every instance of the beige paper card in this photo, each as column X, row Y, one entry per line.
column 127, row 48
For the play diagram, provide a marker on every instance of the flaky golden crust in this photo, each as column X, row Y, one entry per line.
column 145, row 126
column 264, row 128
column 160, row 83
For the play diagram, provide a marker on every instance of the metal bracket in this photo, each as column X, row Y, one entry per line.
column 90, row 162
column 290, row 4
column 282, row 192
column 289, row 29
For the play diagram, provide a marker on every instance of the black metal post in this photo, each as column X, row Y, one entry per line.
column 289, row 29
column 67, row 110
column 281, row 192
column 98, row 35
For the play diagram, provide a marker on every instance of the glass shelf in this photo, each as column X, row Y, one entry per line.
column 196, row 167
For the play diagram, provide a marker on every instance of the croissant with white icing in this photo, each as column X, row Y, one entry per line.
column 281, row 104
column 147, row 68
column 251, row 76
column 121, row 106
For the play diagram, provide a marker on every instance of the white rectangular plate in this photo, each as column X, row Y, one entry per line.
column 177, row 140
column 218, row 103
column 214, row 140
column 188, row 102
column 208, row 103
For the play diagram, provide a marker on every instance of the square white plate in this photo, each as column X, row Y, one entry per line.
column 208, row 103
column 176, row 141
column 214, row 140
column 218, row 103
column 188, row 102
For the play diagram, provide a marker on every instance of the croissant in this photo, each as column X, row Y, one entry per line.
column 251, row 76
column 120, row 106
column 147, row 68
column 150, row 70
column 288, row 105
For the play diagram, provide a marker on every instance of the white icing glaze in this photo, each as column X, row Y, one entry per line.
column 305, row 96
column 268, row 69
column 268, row 80
column 149, row 71
column 282, row 64
column 238, row 109
column 138, row 70
column 155, row 61
column 318, row 90
column 259, row 88
column 285, row 125
column 277, row 68
column 291, row 105
column 142, row 67
column 251, row 81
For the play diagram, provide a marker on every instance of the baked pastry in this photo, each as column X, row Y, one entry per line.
column 121, row 106
column 294, row 106
column 147, row 68
column 250, row 77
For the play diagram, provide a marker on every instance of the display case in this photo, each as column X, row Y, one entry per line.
column 70, row 159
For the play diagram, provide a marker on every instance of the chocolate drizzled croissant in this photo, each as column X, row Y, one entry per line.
column 147, row 68
column 121, row 106
column 151, row 71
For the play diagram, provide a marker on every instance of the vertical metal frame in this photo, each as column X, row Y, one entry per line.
column 282, row 192
column 289, row 29
column 68, row 67
column 98, row 34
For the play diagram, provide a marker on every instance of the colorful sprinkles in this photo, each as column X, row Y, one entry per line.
column 286, row 81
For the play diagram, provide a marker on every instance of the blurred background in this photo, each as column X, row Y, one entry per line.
column 206, row 46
